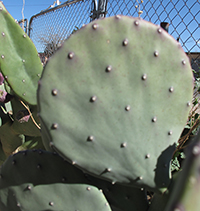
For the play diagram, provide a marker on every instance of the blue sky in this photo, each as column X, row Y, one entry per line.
column 32, row 7
column 185, row 10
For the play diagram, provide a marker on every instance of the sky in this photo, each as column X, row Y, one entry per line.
column 31, row 8
column 190, row 33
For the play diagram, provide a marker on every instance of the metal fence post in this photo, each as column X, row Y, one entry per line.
column 101, row 11
column 24, row 24
column 102, row 7
column 94, row 9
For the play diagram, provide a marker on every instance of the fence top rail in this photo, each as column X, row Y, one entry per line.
column 23, row 20
column 67, row 3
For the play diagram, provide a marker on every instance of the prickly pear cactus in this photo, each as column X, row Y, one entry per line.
column 159, row 201
column 46, row 168
column 54, row 197
column 45, row 178
column 119, row 196
column 19, row 60
column 30, row 185
column 120, row 99
column 185, row 193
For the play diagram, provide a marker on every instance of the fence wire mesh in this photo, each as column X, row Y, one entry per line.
column 183, row 17
column 50, row 28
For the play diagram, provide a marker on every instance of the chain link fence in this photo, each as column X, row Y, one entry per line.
column 51, row 27
column 183, row 17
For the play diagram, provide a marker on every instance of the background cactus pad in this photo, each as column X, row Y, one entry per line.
column 19, row 60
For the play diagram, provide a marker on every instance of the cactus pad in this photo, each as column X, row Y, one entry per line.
column 186, row 191
column 45, row 168
column 53, row 197
column 120, row 196
column 46, row 178
column 19, row 60
column 121, row 93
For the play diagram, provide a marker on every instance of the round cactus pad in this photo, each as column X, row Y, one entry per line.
column 115, row 98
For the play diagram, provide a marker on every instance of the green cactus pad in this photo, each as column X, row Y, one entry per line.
column 159, row 201
column 120, row 99
column 45, row 178
column 53, row 197
column 186, row 191
column 123, row 197
column 41, row 168
column 19, row 60
column 49, row 168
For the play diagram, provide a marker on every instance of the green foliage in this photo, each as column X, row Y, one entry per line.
column 190, row 129
column 175, row 165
